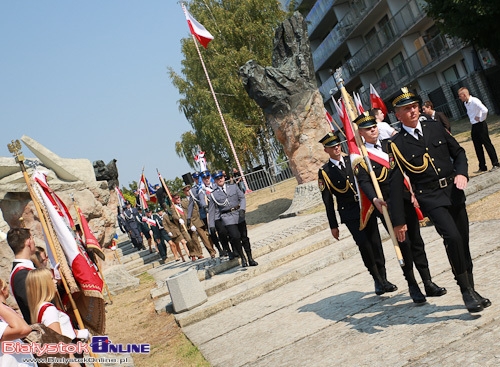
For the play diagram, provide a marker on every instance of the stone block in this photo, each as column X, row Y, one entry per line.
column 186, row 291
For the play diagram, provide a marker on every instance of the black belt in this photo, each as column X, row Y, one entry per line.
column 230, row 210
column 439, row 184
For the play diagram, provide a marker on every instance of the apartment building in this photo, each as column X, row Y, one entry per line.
column 391, row 44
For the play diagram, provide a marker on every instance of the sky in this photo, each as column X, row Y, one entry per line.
column 88, row 79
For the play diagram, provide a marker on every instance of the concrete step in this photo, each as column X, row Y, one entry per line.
column 239, row 285
column 329, row 314
column 263, row 242
column 236, row 274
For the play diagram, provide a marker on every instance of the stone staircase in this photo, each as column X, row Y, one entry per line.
column 136, row 262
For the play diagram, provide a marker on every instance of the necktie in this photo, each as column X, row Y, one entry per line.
column 342, row 167
column 418, row 134
column 376, row 146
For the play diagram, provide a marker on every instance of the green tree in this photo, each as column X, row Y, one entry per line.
column 472, row 21
column 243, row 30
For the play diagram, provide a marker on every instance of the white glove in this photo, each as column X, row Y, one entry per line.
column 181, row 221
column 193, row 228
column 57, row 274
column 82, row 334
column 170, row 234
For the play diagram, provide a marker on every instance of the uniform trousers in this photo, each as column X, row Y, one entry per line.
column 238, row 236
column 480, row 137
column 163, row 238
column 413, row 247
column 369, row 243
column 452, row 223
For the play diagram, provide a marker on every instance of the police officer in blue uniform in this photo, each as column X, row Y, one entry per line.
column 228, row 203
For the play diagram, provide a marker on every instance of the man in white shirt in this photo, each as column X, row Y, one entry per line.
column 477, row 113
column 385, row 130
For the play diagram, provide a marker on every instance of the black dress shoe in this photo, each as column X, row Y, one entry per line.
column 433, row 290
column 252, row 263
column 471, row 302
column 379, row 288
column 389, row 287
column 485, row 302
column 231, row 255
column 416, row 294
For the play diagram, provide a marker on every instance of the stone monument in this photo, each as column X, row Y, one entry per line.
column 293, row 106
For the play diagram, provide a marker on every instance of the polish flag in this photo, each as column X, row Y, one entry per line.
column 197, row 29
column 376, row 101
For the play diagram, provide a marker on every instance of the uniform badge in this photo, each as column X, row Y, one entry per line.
column 392, row 162
column 321, row 184
column 356, row 170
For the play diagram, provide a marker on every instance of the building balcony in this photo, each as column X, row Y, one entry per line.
column 317, row 14
column 340, row 32
column 424, row 59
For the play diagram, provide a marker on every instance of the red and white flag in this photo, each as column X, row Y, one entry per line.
column 376, row 101
column 90, row 240
column 329, row 118
column 197, row 29
column 357, row 102
column 201, row 160
column 121, row 199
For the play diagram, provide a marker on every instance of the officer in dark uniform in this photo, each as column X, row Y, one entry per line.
column 335, row 178
column 437, row 167
column 413, row 248
column 130, row 215
column 228, row 203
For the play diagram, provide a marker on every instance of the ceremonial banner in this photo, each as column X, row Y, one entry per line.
column 89, row 298
column 197, row 29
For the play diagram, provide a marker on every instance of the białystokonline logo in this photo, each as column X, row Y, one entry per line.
column 102, row 344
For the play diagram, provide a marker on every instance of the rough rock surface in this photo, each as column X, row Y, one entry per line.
column 291, row 102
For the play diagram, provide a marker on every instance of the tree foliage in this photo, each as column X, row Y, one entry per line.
column 472, row 21
column 243, row 30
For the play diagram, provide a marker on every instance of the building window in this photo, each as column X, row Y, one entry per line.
column 399, row 66
column 451, row 74
column 385, row 33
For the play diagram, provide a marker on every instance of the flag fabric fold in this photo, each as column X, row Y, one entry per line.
column 197, row 29
column 329, row 118
column 376, row 101
column 357, row 102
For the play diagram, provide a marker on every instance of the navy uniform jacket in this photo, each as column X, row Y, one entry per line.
column 341, row 185
column 230, row 205
column 437, row 156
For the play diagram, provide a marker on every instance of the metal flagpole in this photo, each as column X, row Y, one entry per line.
column 352, row 116
column 221, row 117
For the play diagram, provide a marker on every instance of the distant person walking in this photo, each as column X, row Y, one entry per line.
column 477, row 113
